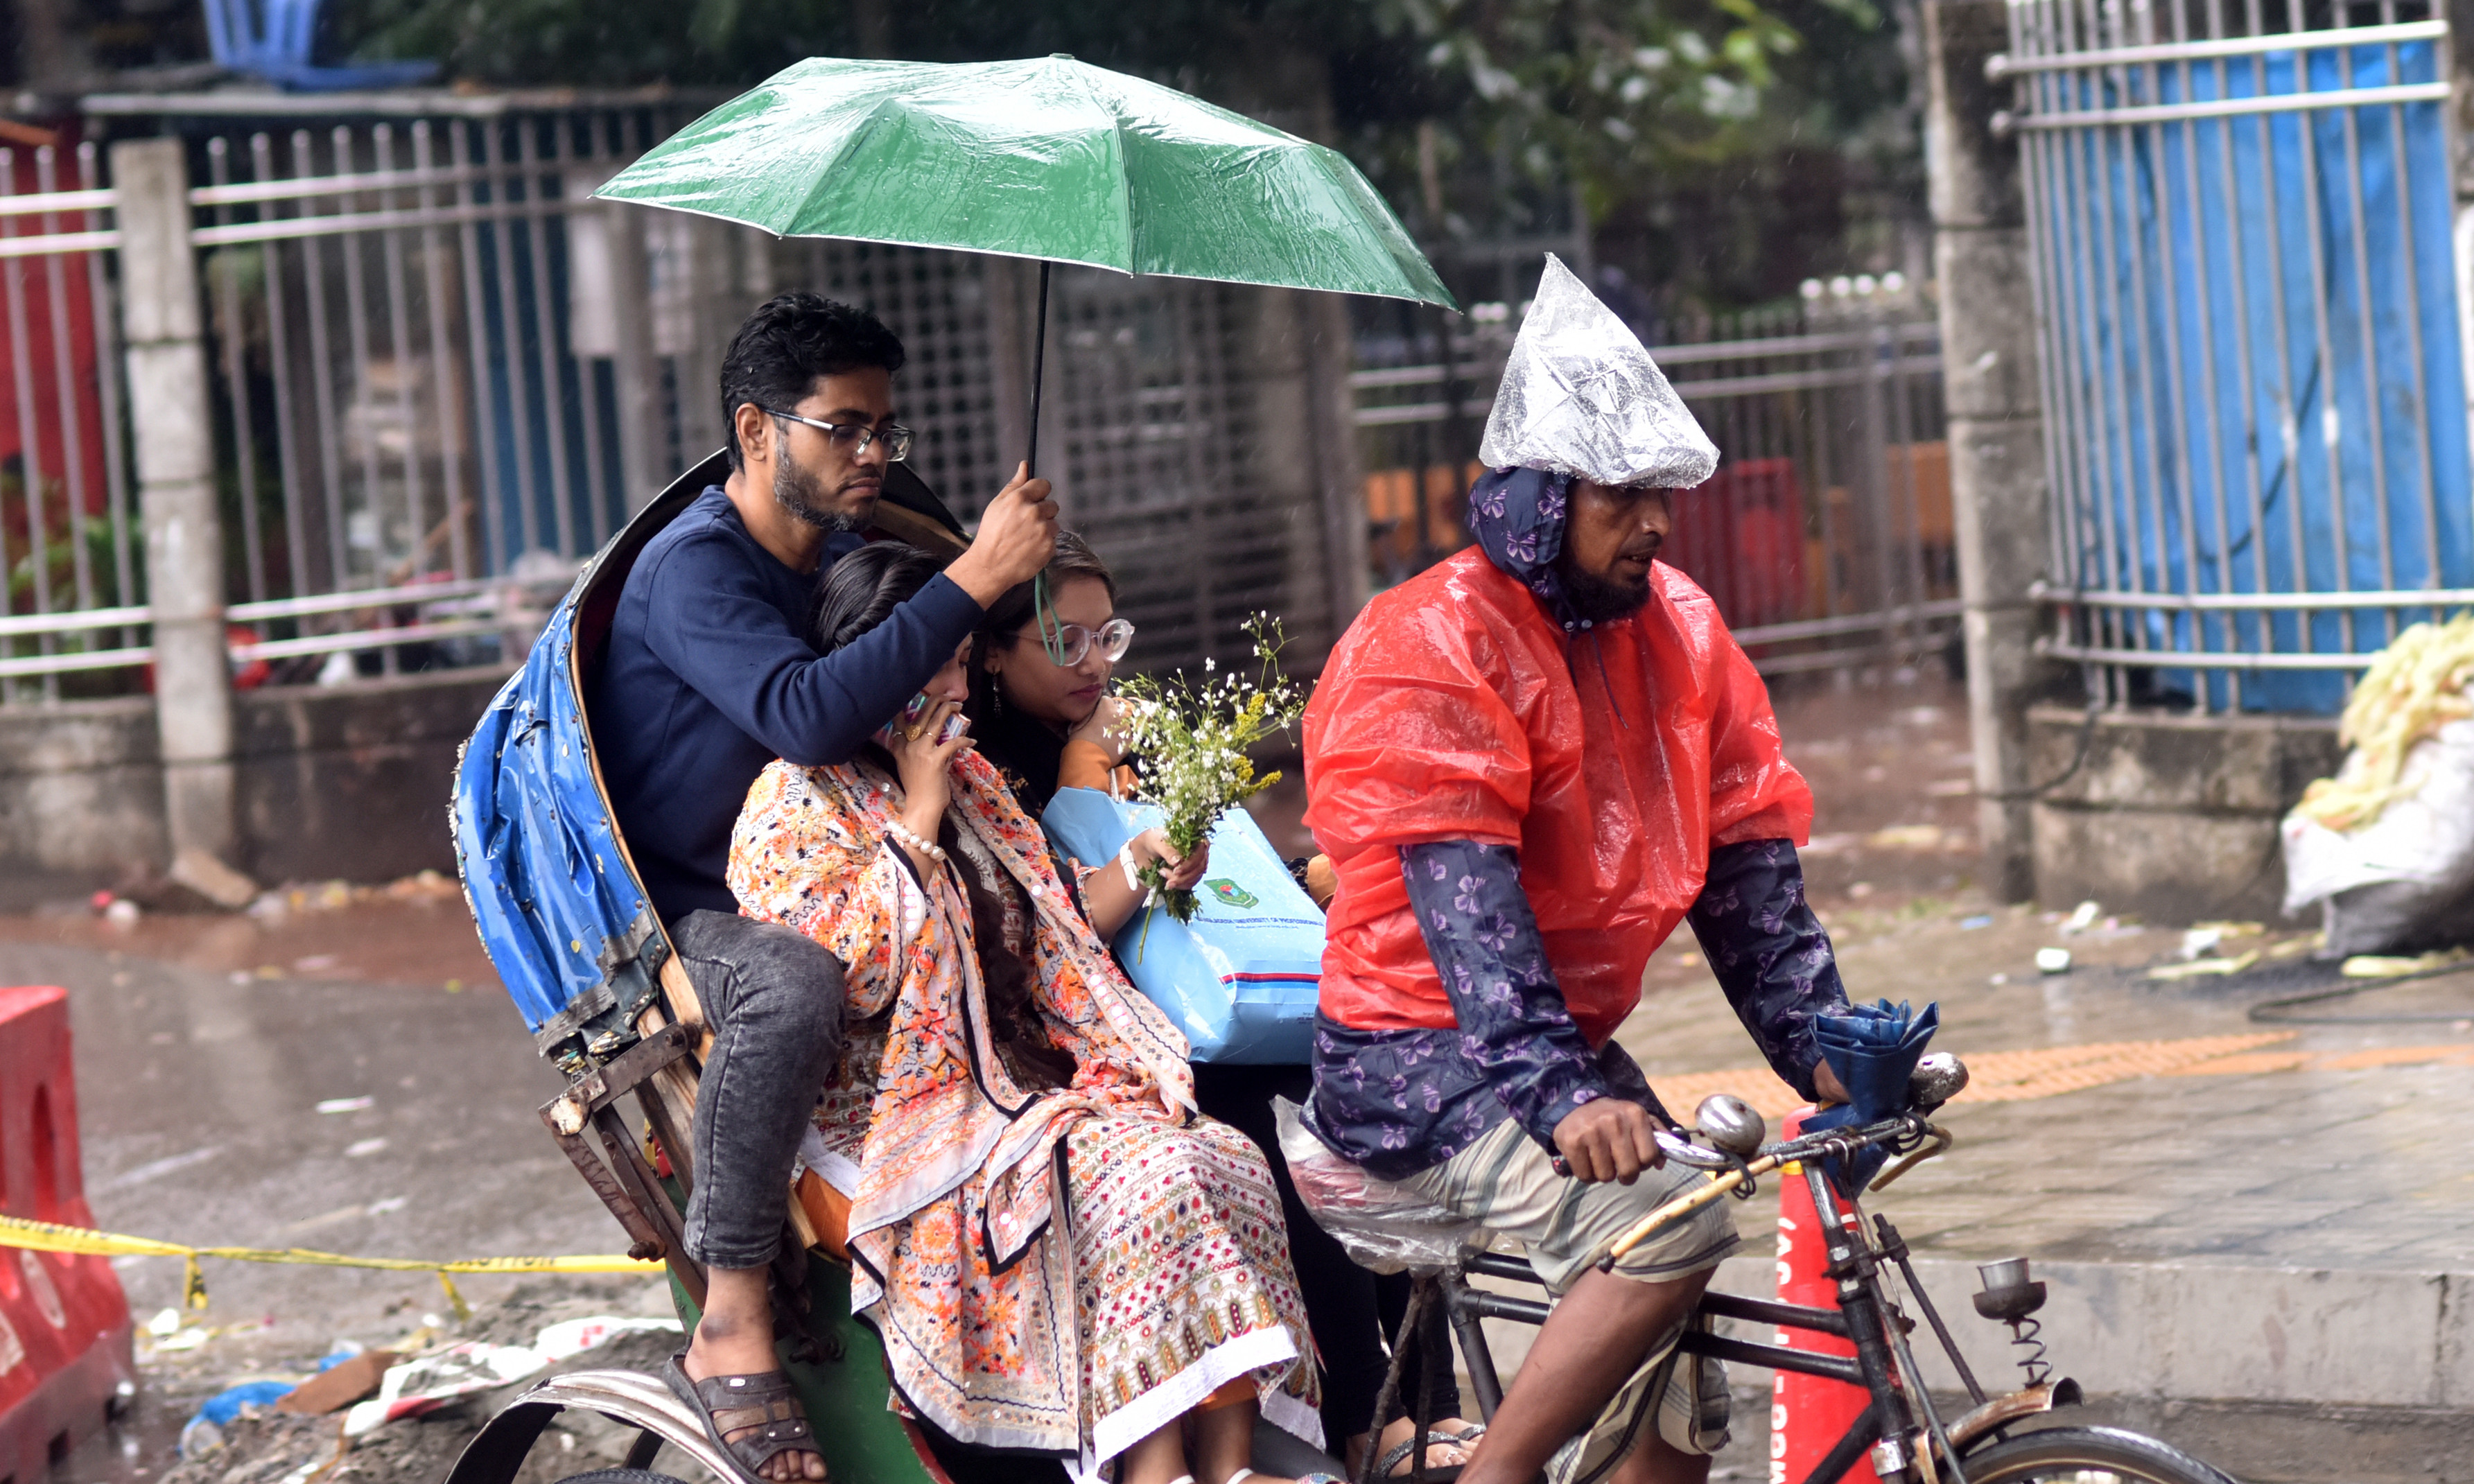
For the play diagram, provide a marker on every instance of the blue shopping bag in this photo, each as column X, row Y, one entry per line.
column 1241, row 979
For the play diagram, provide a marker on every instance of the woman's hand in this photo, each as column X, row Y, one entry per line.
column 925, row 765
column 1183, row 871
column 1113, row 900
column 1099, row 729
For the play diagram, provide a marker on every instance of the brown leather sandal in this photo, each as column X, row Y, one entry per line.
column 735, row 1403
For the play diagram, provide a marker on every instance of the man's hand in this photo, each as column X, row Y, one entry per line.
column 1017, row 538
column 1826, row 1085
column 1608, row 1139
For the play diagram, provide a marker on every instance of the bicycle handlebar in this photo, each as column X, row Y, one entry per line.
column 1727, row 1173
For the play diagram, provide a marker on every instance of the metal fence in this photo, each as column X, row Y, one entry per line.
column 440, row 376
column 1826, row 537
column 2252, row 352
column 74, row 572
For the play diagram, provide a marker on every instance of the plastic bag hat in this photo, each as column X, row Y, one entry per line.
column 1580, row 395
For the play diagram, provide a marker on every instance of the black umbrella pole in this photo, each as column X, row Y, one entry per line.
column 1038, row 365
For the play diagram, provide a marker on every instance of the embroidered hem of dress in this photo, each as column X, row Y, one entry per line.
column 1183, row 1391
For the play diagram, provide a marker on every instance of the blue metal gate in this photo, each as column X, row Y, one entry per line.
column 2252, row 346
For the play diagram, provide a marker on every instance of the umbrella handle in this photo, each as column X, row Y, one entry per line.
column 1038, row 365
column 1051, row 636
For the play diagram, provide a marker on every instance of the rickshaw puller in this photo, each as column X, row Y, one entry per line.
column 709, row 677
column 1528, row 764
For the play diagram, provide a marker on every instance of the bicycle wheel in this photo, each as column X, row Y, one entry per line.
column 2087, row 1455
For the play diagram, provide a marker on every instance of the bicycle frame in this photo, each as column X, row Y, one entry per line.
column 1865, row 1316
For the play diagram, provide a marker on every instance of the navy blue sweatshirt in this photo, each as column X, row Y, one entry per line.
column 709, row 676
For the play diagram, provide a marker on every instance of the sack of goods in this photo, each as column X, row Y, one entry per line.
column 1242, row 978
column 2387, row 846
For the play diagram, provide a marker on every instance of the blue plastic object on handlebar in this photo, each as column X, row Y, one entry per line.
column 1873, row 1050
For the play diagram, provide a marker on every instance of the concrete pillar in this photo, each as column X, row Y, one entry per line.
column 165, row 338
column 1997, row 430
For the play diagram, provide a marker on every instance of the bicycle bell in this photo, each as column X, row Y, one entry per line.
column 2008, row 1294
column 1938, row 1078
column 1728, row 1123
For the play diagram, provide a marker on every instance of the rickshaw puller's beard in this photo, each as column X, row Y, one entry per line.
column 1601, row 599
column 798, row 491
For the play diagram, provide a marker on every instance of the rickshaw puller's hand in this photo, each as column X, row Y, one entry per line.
column 1608, row 1139
column 1017, row 538
column 1827, row 1087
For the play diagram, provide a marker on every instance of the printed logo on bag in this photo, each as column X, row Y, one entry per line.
column 1234, row 894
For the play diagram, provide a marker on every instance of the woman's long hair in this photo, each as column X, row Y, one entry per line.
column 855, row 595
column 1024, row 748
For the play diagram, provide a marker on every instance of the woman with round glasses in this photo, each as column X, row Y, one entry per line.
column 1040, row 711
column 1040, row 704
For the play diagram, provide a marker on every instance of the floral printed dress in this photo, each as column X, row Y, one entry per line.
column 1008, row 1323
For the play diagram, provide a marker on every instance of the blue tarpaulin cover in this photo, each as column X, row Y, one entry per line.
column 566, row 922
column 2260, row 321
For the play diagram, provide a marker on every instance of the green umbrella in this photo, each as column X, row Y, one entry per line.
column 1053, row 160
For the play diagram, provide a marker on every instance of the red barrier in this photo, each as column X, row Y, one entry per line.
column 1808, row 1414
column 65, row 1336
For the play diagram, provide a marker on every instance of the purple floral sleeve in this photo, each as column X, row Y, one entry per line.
column 1770, row 954
column 1483, row 939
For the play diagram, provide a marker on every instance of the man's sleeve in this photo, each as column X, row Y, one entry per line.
column 714, row 626
column 1770, row 954
column 1486, row 945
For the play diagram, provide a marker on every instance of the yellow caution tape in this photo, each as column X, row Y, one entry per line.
column 44, row 1236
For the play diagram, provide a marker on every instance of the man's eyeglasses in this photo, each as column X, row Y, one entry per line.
column 853, row 438
column 1067, row 644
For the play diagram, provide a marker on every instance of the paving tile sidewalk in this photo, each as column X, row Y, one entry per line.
column 2259, row 1144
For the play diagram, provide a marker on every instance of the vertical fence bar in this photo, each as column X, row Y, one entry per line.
column 418, row 532
column 504, row 219
column 447, row 407
column 538, row 221
column 588, row 376
column 106, row 376
column 30, row 447
column 476, row 333
column 236, row 378
column 279, row 350
column 322, row 363
column 65, row 390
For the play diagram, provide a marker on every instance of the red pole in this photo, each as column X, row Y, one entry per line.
column 1808, row 1414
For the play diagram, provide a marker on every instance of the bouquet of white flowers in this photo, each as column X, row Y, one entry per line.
column 1191, row 739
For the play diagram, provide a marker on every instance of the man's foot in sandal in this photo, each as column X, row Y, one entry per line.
column 752, row 1413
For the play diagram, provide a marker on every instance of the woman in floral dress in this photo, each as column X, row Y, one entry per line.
column 1142, row 1308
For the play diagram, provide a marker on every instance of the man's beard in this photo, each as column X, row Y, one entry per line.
column 799, row 492
column 1599, row 600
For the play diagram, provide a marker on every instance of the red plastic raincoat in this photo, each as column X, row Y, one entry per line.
column 1455, row 709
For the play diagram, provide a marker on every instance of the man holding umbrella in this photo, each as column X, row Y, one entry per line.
column 708, row 679
column 1528, row 766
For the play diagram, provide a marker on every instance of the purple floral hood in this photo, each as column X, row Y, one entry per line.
column 1517, row 516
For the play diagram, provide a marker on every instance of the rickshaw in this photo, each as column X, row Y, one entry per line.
column 574, row 938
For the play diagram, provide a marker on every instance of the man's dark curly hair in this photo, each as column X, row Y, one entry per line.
column 788, row 343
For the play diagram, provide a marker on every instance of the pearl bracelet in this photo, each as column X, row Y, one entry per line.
column 926, row 847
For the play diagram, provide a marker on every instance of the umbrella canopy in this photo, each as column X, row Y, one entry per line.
column 1054, row 159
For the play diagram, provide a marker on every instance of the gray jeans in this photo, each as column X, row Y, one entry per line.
column 773, row 999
